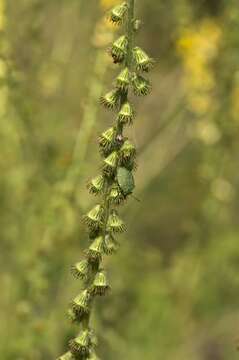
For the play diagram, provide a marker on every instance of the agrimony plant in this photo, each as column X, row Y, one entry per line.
column 114, row 184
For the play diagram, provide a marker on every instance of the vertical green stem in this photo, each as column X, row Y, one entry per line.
column 130, row 32
column 128, row 60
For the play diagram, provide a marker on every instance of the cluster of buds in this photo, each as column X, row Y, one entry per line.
column 114, row 184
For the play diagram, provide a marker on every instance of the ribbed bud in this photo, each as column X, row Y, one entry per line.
column 126, row 114
column 80, row 269
column 96, row 249
column 111, row 99
column 115, row 195
column 80, row 346
column 111, row 245
column 141, row 86
column 110, row 163
column 94, row 217
column 100, row 284
column 142, row 61
column 119, row 49
column 127, row 152
column 115, row 224
column 125, row 180
column 80, row 305
column 96, row 185
column 117, row 14
column 66, row 356
column 107, row 140
column 123, row 79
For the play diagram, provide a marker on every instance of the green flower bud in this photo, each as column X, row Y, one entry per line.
column 117, row 14
column 127, row 152
column 96, row 249
column 107, row 140
column 115, row 195
column 123, row 79
column 96, row 185
column 80, row 304
column 111, row 99
column 141, row 86
column 126, row 114
column 119, row 49
column 100, row 284
column 80, row 346
column 142, row 61
column 115, row 224
column 94, row 217
column 110, row 163
column 80, row 269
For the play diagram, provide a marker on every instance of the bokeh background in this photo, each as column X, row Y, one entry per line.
column 175, row 280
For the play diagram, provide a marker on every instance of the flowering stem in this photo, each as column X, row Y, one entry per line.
column 114, row 184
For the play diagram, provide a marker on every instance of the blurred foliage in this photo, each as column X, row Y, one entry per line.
column 175, row 278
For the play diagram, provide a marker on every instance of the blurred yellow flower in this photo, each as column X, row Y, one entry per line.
column 198, row 46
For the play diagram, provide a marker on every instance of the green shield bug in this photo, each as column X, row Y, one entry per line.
column 125, row 180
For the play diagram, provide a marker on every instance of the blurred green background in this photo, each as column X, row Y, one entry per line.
column 175, row 280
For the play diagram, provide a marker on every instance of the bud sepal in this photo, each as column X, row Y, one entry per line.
column 115, row 224
column 96, row 185
column 126, row 114
column 81, row 305
column 80, row 346
column 111, row 99
column 116, row 196
column 141, row 86
column 127, row 152
column 96, row 249
column 142, row 61
column 117, row 14
column 81, row 269
column 123, row 79
column 119, row 49
column 94, row 217
column 100, row 284
column 110, row 163
column 107, row 140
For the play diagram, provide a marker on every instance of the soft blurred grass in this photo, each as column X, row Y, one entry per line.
column 175, row 278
